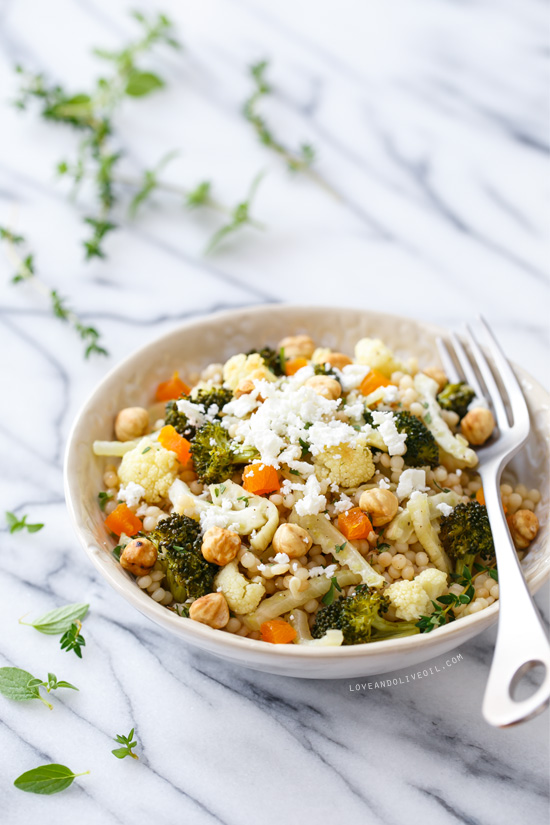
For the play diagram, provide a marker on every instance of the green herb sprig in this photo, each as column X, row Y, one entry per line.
column 73, row 640
column 66, row 621
column 47, row 779
column 91, row 113
column 25, row 271
column 59, row 620
column 330, row 595
column 297, row 160
column 103, row 499
column 444, row 605
column 98, row 157
column 127, row 743
column 15, row 524
column 22, row 686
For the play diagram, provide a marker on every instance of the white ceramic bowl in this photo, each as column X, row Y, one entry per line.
column 213, row 339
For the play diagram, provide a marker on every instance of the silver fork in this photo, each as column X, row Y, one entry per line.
column 521, row 641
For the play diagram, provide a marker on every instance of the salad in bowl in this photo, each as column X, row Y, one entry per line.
column 300, row 495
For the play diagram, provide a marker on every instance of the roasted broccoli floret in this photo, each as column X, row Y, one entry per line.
column 273, row 360
column 178, row 540
column 179, row 420
column 215, row 455
column 456, row 397
column 216, row 397
column 466, row 533
column 359, row 618
column 422, row 449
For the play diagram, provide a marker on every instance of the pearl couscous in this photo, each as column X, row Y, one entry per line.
column 307, row 496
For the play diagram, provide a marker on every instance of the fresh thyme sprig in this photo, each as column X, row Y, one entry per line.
column 297, row 160
column 72, row 640
column 98, row 157
column 92, row 112
column 443, row 606
column 239, row 217
column 25, row 271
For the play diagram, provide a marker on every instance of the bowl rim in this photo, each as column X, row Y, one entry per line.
column 195, row 632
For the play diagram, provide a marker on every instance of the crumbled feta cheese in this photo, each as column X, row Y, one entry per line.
column 195, row 413
column 444, row 509
column 131, row 493
column 393, row 439
column 281, row 558
column 330, row 434
column 215, row 517
column 242, row 406
column 411, row 481
column 343, row 504
column 352, row 375
column 384, row 484
column 391, row 394
column 279, row 423
column 313, row 502
column 323, row 571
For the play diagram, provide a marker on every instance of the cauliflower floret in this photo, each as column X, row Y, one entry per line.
column 242, row 366
column 409, row 599
column 433, row 581
column 152, row 467
column 242, row 595
column 413, row 599
column 347, row 465
column 378, row 356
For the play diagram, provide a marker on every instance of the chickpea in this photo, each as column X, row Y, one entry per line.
column 338, row 360
column 323, row 385
column 220, row 546
column 381, row 505
column 297, row 346
column 139, row 556
column 524, row 526
column 292, row 540
column 437, row 375
column 211, row 609
column 244, row 387
column 130, row 423
column 478, row 425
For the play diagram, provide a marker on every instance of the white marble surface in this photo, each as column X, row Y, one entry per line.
column 430, row 120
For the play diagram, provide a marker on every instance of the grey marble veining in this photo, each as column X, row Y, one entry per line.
column 431, row 124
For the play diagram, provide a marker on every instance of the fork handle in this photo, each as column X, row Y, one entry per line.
column 521, row 639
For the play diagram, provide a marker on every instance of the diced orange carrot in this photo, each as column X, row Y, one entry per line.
column 372, row 381
column 173, row 388
column 354, row 524
column 170, row 439
column 295, row 364
column 277, row 632
column 480, row 498
column 122, row 520
column 260, row 479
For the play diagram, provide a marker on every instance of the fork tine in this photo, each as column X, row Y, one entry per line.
column 448, row 364
column 466, row 365
column 490, row 383
column 515, row 393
